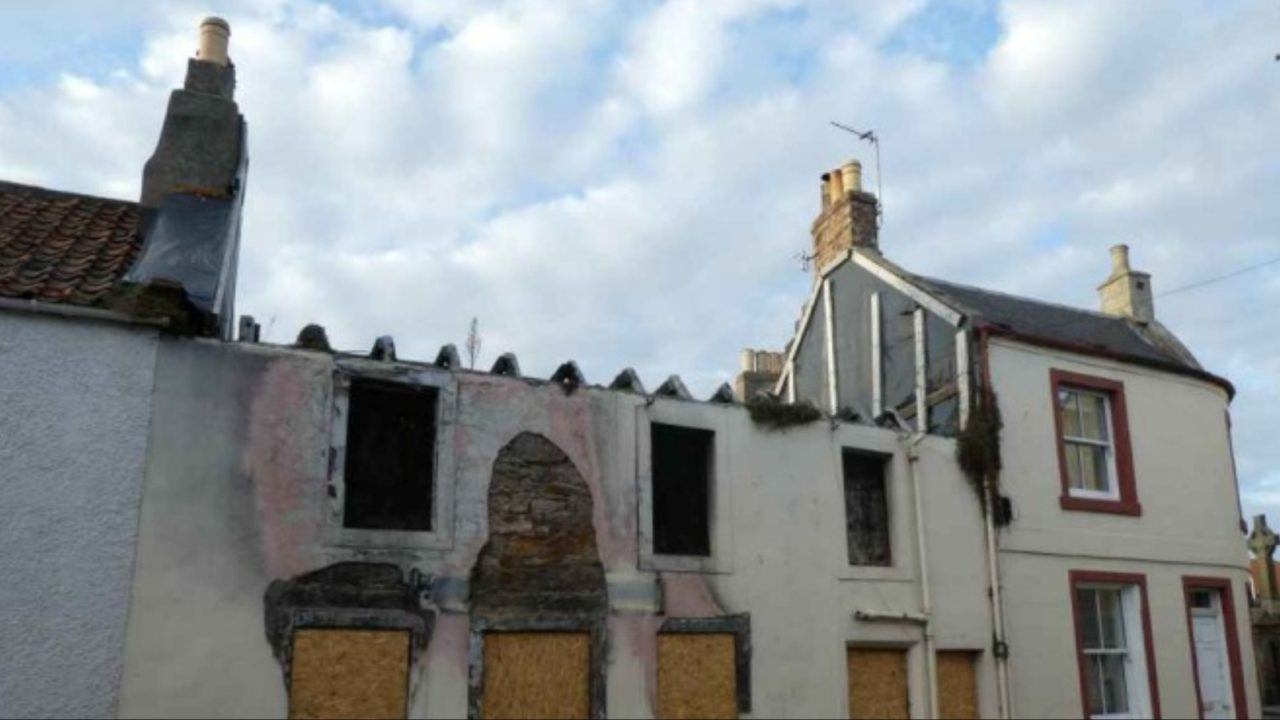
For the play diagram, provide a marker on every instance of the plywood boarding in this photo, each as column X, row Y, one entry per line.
column 536, row 675
column 957, row 684
column 697, row 676
column 878, row 683
column 349, row 673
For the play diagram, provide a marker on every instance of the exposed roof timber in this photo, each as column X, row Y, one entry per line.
column 795, row 341
column 629, row 381
column 894, row 279
column 673, row 387
column 723, row 394
column 569, row 375
column 384, row 348
column 448, row 358
column 507, row 365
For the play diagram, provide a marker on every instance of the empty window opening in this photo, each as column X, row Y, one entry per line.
column 866, row 505
column 390, row 459
column 682, row 466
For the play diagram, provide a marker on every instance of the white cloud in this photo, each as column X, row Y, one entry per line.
column 629, row 184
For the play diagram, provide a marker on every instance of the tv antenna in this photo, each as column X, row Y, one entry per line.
column 870, row 136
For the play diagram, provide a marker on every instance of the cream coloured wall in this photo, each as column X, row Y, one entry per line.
column 1189, row 526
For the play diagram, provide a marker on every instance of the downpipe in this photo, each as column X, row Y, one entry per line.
column 922, row 554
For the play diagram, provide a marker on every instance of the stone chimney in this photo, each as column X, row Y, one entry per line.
column 848, row 216
column 760, row 371
column 192, row 194
column 200, row 143
column 1126, row 292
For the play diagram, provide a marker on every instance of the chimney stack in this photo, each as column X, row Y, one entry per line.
column 760, row 369
column 200, row 143
column 848, row 216
column 1126, row 292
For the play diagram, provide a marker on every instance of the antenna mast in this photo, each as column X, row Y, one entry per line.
column 870, row 136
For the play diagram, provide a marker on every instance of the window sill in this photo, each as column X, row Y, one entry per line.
column 1114, row 507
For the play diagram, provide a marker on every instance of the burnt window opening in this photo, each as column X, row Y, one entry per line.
column 682, row 468
column 390, row 459
column 866, row 506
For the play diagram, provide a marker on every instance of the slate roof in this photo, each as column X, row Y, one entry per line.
column 1063, row 325
column 64, row 247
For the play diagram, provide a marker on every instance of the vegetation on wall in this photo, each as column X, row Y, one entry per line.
column 978, row 446
column 770, row 411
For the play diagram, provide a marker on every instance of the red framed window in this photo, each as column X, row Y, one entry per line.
column 1095, row 461
column 1114, row 649
column 1211, row 626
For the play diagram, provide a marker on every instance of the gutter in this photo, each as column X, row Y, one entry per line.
column 80, row 312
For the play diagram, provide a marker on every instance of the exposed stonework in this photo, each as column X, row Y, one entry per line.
column 541, row 556
column 760, row 370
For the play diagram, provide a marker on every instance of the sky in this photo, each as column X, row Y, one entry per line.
column 632, row 184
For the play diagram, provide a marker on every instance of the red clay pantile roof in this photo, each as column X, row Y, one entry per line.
column 64, row 247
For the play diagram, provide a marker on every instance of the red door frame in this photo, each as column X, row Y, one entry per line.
column 1229, row 631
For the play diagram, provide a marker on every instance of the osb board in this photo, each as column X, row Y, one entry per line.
column 536, row 674
column 697, row 676
column 349, row 674
column 957, row 684
column 877, row 683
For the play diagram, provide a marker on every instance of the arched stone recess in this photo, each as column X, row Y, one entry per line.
column 539, row 572
column 541, row 557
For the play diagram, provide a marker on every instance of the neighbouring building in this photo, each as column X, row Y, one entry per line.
column 937, row 501
column 1264, row 610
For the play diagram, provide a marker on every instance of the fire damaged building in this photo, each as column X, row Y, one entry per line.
column 936, row 501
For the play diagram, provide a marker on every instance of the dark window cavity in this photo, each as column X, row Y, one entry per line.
column 682, row 468
column 866, row 508
column 390, row 461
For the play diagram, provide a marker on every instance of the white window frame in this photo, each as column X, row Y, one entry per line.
column 720, row 501
column 441, row 534
column 1135, row 677
column 1108, row 447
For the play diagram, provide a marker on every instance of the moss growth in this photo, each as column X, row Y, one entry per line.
column 978, row 444
column 774, row 414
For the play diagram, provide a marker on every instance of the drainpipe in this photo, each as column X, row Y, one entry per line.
column 926, row 596
column 1001, row 646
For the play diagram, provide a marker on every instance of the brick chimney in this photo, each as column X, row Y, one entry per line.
column 200, row 143
column 1126, row 292
column 848, row 216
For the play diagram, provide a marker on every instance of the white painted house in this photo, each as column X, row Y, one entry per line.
column 1115, row 523
column 207, row 527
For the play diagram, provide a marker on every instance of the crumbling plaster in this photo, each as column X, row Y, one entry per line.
column 73, row 436
column 236, row 497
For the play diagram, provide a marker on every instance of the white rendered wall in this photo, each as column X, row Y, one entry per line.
column 75, row 404
column 1189, row 526
column 224, row 517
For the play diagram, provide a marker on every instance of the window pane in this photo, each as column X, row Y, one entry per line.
column 1088, row 601
column 1073, row 466
column 1115, row 693
column 1093, row 416
column 1094, row 685
column 1067, row 405
column 1111, row 617
column 1092, row 467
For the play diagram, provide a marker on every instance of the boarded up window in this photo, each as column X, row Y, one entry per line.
column 878, row 683
column 349, row 673
column 866, row 508
column 681, row 489
column 957, row 685
column 390, row 459
column 536, row 675
column 697, row 676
